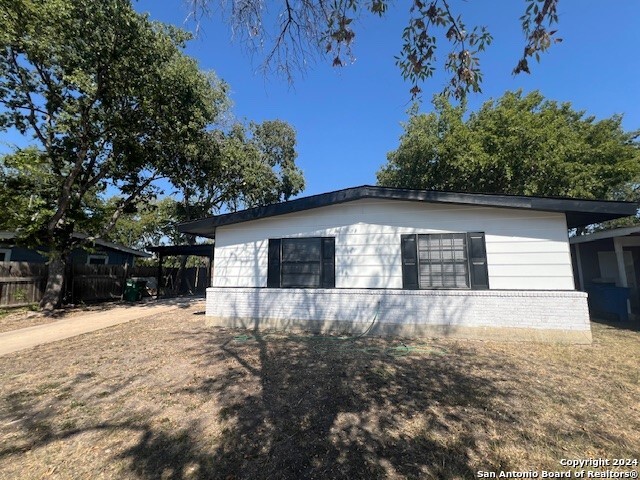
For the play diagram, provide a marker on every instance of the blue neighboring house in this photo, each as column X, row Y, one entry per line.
column 102, row 252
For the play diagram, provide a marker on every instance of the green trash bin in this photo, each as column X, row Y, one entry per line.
column 130, row 291
column 133, row 290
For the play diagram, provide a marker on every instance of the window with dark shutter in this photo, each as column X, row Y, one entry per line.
column 446, row 260
column 328, row 262
column 301, row 263
column 409, row 262
column 478, row 261
column 443, row 261
column 273, row 273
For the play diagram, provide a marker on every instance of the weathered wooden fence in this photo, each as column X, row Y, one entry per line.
column 24, row 283
column 21, row 283
column 194, row 281
column 94, row 283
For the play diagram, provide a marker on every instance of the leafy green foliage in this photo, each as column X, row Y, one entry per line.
column 315, row 27
column 108, row 96
column 244, row 167
column 113, row 104
column 30, row 189
column 259, row 164
column 418, row 51
column 239, row 168
column 152, row 223
column 518, row 144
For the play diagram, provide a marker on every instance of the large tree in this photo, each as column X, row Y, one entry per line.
column 110, row 100
column 242, row 167
column 518, row 144
column 246, row 166
column 295, row 32
column 148, row 223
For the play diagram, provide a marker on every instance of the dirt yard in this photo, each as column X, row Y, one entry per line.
column 17, row 318
column 166, row 397
column 24, row 317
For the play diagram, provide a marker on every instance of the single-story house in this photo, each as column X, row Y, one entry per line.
column 408, row 262
column 101, row 253
column 605, row 259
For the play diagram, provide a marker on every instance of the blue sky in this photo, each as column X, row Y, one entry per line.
column 348, row 119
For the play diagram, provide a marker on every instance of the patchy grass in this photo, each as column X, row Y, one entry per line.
column 15, row 318
column 168, row 398
column 15, row 311
column 31, row 316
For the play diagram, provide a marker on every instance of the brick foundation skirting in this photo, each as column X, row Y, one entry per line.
column 556, row 316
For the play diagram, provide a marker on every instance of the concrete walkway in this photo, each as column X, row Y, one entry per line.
column 24, row 338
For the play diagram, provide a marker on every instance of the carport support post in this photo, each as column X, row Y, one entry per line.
column 622, row 273
column 160, row 258
column 582, row 286
column 210, row 271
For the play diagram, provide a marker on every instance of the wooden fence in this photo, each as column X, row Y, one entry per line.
column 23, row 283
column 94, row 283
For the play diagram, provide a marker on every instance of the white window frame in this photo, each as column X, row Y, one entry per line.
column 97, row 256
column 7, row 252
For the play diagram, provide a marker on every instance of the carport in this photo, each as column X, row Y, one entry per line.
column 609, row 257
column 163, row 251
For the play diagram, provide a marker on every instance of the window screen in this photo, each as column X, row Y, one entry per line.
column 443, row 261
column 301, row 263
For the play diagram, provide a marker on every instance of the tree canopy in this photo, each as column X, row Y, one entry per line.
column 518, row 144
column 114, row 105
column 293, row 33
column 105, row 93
column 242, row 168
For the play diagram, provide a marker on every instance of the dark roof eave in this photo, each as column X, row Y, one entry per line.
column 9, row 235
column 579, row 212
column 202, row 250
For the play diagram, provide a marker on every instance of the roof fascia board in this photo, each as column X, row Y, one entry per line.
column 614, row 233
column 600, row 209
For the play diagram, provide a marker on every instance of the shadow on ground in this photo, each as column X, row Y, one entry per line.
column 291, row 407
column 631, row 325
column 218, row 403
column 333, row 407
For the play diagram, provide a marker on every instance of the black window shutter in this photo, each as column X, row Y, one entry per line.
column 328, row 279
column 273, row 272
column 409, row 262
column 478, row 261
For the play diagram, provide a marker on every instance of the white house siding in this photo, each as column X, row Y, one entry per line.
column 526, row 250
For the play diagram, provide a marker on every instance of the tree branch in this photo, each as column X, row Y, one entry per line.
column 120, row 209
column 31, row 105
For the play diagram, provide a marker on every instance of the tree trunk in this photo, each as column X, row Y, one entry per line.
column 52, row 297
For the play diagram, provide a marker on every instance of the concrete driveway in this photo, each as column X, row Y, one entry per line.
column 30, row 337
